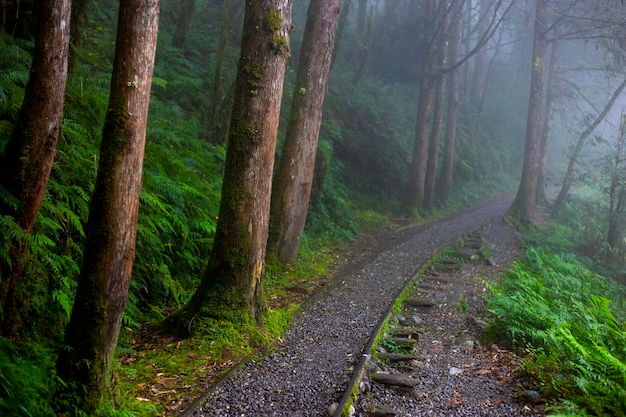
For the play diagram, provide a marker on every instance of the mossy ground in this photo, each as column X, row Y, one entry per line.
column 159, row 375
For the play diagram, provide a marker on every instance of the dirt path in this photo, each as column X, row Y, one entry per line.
column 311, row 369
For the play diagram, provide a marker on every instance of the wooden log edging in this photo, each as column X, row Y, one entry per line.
column 359, row 371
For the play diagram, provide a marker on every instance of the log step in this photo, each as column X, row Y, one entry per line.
column 395, row 380
column 404, row 341
column 419, row 302
column 407, row 332
column 380, row 411
column 396, row 357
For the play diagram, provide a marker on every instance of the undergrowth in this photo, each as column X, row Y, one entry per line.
column 570, row 323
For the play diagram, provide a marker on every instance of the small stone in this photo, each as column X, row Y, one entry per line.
column 364, row 387
column 455, row 371
column 531, row 395
column 331, row 409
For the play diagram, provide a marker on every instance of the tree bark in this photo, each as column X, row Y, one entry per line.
column 415, row 189
column 447, row 165
column 294, row 176
column 110, row 235
column 524, row 207
column 573, row 160
column 438, row 113
column 548, row 121
column 27, row 161
column 232, row 282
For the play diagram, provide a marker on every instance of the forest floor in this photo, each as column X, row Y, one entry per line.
column 327, row 337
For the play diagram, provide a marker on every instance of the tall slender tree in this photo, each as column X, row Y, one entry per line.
column 92, row 333
column 183, row 21
column 232, row 282
column 294, row 176
column 26, row 163
column 415, row 189
column 480, row 73
column 578, row 148
column 524, row 207
column 438, row 109
column 217, row 86
column 452, row 86
column 548, row 120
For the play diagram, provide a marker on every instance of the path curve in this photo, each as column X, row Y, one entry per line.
column 312, row 367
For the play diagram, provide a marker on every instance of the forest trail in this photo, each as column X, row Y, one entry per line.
column 311, row 369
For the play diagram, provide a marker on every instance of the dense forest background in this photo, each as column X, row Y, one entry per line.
column 387, row 54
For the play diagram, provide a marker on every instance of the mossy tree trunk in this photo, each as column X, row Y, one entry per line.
column 92, row 333
column 232, row 282
column 26, row 163
column 524, row 207
column 415, row 189
column 444, row 183
column 294, row 175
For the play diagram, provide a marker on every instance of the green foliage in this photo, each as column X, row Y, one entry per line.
column 25, row 385
column 391, row 346
column 571, row 322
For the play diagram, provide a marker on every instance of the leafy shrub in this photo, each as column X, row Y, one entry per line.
column 571, row 321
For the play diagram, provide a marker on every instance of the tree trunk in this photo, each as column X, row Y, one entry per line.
column 27, row 161
column 341, row 29
column 217, row 89
column 294, row 176
column 548, row 121
column 109, row 251
column 232, row 282
column 76, row 33
column 524, row 206
column 569, row 174
column 415, row 189
column 15, row 19
column 617, row 202
column 452, row 86
column 187, row 7
column 438, row 113
column 480, row 74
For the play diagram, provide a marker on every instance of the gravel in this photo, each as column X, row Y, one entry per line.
column 311, row 369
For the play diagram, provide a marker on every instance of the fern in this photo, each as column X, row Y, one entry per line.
column 554, row 306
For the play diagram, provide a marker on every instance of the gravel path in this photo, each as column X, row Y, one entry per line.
column 311, row 369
